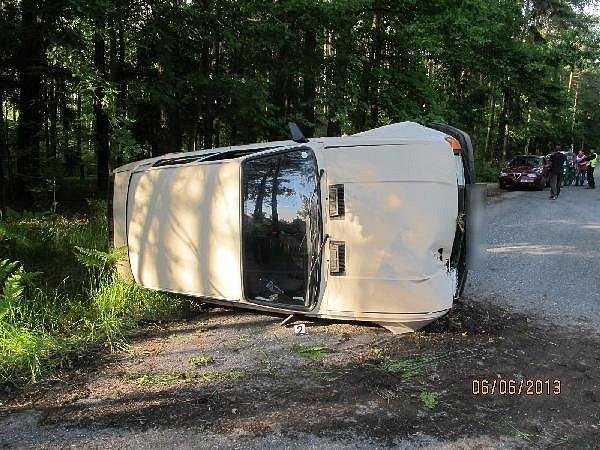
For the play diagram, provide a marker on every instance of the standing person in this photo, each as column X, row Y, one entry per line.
column 557, row 163
column 581, row 167
column 592, row 161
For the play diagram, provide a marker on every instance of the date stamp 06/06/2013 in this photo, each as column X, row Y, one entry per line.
column 511, row 386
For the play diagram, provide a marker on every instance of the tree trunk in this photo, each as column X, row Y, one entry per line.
column 32, row 65
column 310, row 82
column 488, row 137
column 100, row 114
column 118, row 77
column 78, row 151
column 53, row 104
column 502, row 138
column 376, row 55
column 574, row 115
column 3, row 152
column 528, row 131
column 66, row 125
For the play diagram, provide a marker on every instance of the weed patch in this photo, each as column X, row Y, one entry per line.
column 310, row 351
column 429, row 400
column 408, row 368
column 148, row 379
column 223, row 376
column 201, row 360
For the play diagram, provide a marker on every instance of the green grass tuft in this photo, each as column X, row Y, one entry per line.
column 311, row 351
column 429, row 399
column 201, row 360
column 151, row 379
column 408, row 368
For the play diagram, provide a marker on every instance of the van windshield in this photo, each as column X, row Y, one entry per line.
column 281, row 227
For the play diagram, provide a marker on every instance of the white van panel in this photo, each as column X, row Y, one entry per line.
column 183, row 227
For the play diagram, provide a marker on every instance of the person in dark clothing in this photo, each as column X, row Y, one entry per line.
column 592, row 160
column 557, row 162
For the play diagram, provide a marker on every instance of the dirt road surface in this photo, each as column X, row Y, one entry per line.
column 234, row 379
column 543, row 256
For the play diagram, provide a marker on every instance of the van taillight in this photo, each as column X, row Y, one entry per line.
column 454, row 144
column 337, row 202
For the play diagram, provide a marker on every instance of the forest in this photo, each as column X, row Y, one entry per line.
column 86, row 86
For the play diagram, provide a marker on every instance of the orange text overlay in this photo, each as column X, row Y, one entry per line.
column 510, row 386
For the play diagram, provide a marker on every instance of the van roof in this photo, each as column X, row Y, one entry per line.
column 404, row 131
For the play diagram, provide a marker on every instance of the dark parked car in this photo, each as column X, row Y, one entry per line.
column 524, row 171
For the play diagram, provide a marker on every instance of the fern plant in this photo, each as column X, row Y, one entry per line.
column 100, row 264
column 13, row 282
column 97, row 259
column 7, row 267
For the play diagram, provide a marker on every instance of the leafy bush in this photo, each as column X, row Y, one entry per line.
column 486, row 172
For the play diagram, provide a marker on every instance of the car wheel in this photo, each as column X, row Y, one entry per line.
column 502, row 185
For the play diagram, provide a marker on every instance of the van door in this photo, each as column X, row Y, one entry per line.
column 281, row 228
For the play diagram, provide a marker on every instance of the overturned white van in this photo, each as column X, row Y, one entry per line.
column 369, row 227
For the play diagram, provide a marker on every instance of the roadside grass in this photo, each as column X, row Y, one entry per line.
column 157, row 379
column 519, row 434
column 149, row 379
column 201, row 360
column 311, row 351
column 428, row 399
column 408, row 368
column 60, row 298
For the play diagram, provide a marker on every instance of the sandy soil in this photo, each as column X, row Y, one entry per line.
column 345, row 384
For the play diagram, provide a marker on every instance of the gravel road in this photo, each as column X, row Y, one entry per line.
column 543, row 256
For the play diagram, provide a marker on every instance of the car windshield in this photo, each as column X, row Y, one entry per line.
column 281, row 227
column 524, row 161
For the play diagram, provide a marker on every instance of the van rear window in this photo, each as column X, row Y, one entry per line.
column 180, row 160
column 238, row 153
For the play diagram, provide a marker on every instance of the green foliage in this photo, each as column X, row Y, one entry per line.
column 11, row 285
column 43, row 326
column 486, row 172
column 428, row 399
column 99, row 261
column 408, row 368
column 188, row 75
column 151, row 379
column 201, row 360
column 310, row 351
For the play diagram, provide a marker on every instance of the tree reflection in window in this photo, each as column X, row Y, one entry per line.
column 280, row 226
